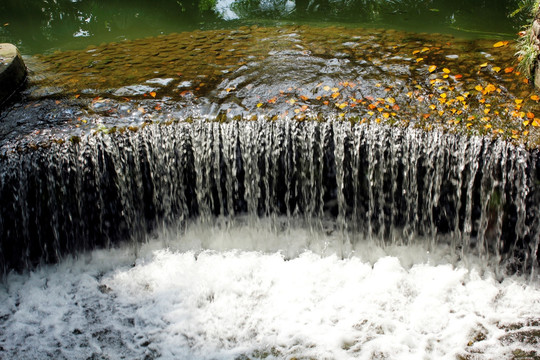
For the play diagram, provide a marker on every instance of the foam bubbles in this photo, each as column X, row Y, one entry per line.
column 211, row 295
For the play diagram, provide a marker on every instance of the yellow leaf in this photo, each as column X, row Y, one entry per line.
column 415, row 52
column 535, row 97
column 425, row 49
column 496, row 69
column 483, row 65
column 326, row 88
column 335, row 95
column 446, row 70
column 259, row 105
column 500, row 44
column 432, row 68
column 390, row 100
column 419, row 59
column 479, row 87
column 335, row 89
column 535, row 123
column 443, row 95
column 489, row 88
column 518, row 101
column 153, row 94
column 526, row 123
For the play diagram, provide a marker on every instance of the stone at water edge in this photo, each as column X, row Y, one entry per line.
column 12, row 71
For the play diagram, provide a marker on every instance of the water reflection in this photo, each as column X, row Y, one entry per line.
column 40, row 25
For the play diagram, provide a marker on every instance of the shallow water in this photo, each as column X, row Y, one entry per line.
column 239, row 291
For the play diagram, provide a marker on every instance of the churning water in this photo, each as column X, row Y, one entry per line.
column 270, row 240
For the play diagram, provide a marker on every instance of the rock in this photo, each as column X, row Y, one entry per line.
column 12, row 71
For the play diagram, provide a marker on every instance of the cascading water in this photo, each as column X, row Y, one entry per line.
column 382, row 184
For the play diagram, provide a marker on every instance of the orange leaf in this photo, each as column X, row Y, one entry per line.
column 153, row 94
column 508, row 70
column 500, row 43
column 535, row 97
column 530, row 115
column 457, row 77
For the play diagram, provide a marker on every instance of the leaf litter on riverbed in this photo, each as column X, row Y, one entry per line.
column 300, row 72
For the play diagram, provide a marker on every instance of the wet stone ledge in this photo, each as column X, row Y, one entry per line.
column 294, row 72
column 12, row 71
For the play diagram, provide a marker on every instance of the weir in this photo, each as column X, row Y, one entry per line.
column 374, row 183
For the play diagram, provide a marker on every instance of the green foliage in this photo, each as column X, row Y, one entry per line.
column 527, row 53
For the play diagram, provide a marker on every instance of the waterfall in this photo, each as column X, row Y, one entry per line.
column 376, row 183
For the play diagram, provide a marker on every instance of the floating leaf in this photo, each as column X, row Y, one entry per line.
column 425, row 49
column 432, row 68
column 530, row 115
column 335, row 95
column 446, row 70
column 500, row 44
column 153, row 94
column 508, row 70
column 518, row 101
column 496, row 69
column 326, row 88
column 535, row 97
column 479, row 88
column 458, row 76
column 536, row 123
column 489, row 88
column 259, row 105
column 419, row 59
column 483, row 65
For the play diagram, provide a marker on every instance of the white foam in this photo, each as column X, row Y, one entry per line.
column 221, row 294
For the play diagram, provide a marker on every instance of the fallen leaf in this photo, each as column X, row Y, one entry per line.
column 259, row 105
column 153, row 94
column 446, row 70
column 508, row 70
column 432, row 68
column 535, row 97
column 496, row 69
column 500, row 44
column 483, row 65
